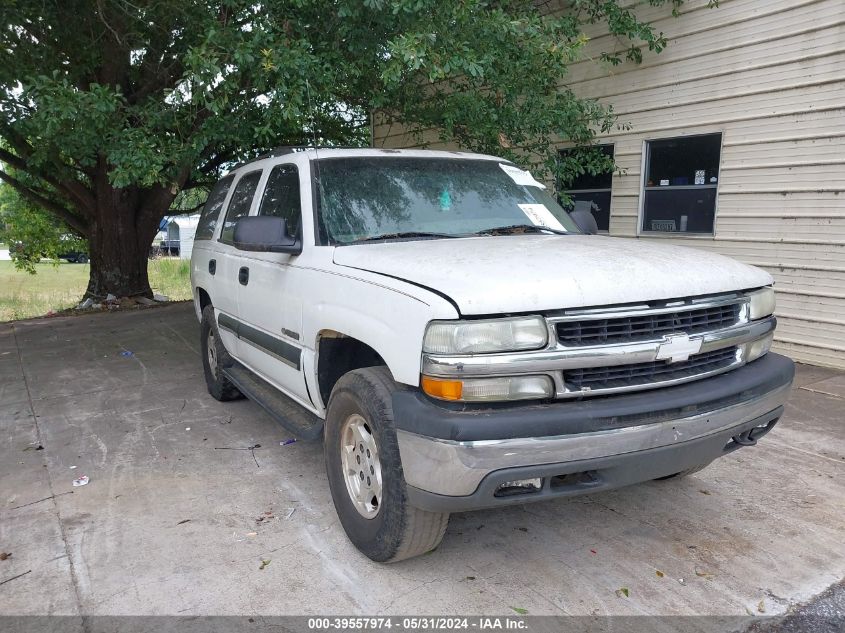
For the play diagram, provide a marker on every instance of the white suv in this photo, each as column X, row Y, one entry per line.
column 461, row 343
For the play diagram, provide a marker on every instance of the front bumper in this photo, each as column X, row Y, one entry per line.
column 458, row 458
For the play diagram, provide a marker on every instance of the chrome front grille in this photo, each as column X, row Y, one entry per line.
column 649, row 374
column 620, row 349
column 646, row 326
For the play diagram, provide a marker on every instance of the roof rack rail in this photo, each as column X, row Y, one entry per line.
column 290, row 149
column 276, row 151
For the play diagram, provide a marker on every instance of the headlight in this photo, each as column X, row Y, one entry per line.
column 758, row 348
column 761, row 303
column 478, row 337
column 495, row 389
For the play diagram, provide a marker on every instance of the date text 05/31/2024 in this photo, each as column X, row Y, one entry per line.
column 420, row 623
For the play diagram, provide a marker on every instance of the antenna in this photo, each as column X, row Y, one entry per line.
column 311, row 113
column 316, row 194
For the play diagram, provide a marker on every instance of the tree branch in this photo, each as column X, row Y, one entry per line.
column 58, row 210
column 75, row 189
column 193, row 209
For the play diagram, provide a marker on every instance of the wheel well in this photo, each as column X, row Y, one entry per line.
column 339, row 354
column 205, row 300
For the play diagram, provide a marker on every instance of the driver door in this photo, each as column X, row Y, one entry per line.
column 268, row 304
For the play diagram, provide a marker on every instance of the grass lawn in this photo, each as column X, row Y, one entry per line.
column 57, row 287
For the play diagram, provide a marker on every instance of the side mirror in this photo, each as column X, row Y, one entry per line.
column 585, row 221
column 265, row 234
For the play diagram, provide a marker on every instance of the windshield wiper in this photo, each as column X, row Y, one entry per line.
column 400, row 235
column 520, row 228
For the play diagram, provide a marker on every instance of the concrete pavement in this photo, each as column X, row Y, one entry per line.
column 169, row 523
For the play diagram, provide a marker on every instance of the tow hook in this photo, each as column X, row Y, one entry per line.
column 750, row 437
column 744, row 438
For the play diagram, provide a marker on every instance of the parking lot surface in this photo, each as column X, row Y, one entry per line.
column 181, row 517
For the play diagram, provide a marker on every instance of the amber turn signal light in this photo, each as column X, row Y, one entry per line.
column 443, row 389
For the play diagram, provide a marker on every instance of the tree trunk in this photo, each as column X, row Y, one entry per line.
column 119, row 240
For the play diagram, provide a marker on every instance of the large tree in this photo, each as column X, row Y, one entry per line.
column 110, row 109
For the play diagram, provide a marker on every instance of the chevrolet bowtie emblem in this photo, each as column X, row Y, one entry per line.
column 677, row 348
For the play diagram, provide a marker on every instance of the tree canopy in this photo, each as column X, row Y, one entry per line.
column 110, row 110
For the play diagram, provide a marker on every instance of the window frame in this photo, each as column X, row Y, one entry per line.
column 609, row 190
column 262, row 176
column 644, row 167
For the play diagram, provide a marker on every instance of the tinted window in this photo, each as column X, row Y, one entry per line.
column 680, row 184
column 240, row 203
column 596, row 202
column 211, row 209
column 679, row 162
column 281, row 196
column 368, row 197
column 586, row 180
column 590, row 192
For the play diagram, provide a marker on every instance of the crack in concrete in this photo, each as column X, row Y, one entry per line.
column 181, row 338
column 54, row 504
column 789, row 447
column 821, row 391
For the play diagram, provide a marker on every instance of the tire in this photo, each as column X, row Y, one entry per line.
column 391, row 529
column 685, row 473
column 82, row 259
column 218, row 385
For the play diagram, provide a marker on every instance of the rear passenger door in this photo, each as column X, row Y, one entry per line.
column 204, row 255
column 269, row 305
column 229, row 275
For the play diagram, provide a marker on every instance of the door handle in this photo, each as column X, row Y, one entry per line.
column 243, row 275
column 212, row 266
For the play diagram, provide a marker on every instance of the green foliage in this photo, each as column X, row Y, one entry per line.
column 155, row 86
column 171, row 277
column 113, row 108
column 32, row 233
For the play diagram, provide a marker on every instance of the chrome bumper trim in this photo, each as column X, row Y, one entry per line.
column 456, row 468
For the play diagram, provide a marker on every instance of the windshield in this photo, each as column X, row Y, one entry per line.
column 365, row 198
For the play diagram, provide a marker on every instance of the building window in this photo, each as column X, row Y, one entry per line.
column 681, row 176
column 589, row 192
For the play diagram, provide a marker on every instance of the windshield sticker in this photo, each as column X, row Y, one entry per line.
column 520, row 177
column 540, row 215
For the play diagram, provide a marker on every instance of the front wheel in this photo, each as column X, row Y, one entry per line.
column 365, row 471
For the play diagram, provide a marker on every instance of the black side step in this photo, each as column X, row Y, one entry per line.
column 295, row 418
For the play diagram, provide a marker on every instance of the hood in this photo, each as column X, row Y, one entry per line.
column 525, row 273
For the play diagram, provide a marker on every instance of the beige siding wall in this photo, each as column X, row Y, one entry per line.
column 770, row 76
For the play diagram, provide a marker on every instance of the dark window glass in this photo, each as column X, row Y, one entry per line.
column 211, row 209
column 362, row 198
column 596, row 202
column 587, row 180
column 281, row 196
column 590, row 192
column 680, row 184
column 240, row 203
